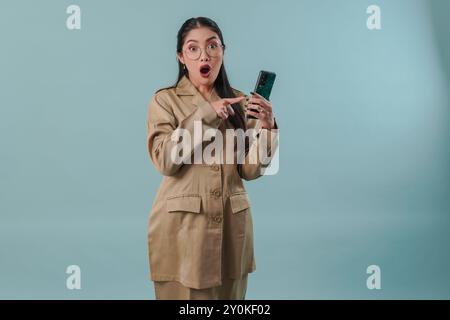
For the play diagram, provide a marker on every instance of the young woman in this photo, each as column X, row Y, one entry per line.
column 200, row 232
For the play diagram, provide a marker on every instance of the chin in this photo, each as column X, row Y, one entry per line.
column 209, row 80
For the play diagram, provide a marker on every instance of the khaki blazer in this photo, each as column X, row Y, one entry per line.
column 200, row 227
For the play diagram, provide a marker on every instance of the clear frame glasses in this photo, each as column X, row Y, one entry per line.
column 213, row 49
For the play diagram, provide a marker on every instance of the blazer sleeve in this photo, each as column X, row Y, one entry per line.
column 262, row 145
column 161, row 124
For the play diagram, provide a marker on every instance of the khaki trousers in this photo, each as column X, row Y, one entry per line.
column 231, row 289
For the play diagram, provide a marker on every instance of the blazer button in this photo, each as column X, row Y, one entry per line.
column 218, row 219
column 216, row 193
column 215, row 167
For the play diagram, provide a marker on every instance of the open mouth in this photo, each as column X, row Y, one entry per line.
column 205, row 70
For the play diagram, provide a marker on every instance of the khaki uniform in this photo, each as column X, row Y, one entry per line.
column 200, row 228
column 230, row 289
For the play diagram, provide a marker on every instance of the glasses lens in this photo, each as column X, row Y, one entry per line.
column 212, row 49
column 193, row 52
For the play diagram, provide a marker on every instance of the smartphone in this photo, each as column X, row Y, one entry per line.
column 264, row 86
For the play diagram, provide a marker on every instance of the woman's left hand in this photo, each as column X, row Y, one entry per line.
column 265, row 114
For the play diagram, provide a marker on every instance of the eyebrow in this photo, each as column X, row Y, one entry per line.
column 213, row 37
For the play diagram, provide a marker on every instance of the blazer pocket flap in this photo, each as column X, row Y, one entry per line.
column 191, row 203
column 239, row 202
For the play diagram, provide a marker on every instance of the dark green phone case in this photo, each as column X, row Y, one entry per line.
column 264, row 85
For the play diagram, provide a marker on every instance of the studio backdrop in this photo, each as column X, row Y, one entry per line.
column 359, row 207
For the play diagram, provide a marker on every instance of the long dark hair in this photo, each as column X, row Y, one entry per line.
column 222, row 85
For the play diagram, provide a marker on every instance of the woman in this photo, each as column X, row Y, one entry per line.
column 200, row 234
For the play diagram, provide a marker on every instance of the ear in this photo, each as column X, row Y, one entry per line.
column 180, row 58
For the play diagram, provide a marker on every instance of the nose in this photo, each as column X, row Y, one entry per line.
column 204, row 56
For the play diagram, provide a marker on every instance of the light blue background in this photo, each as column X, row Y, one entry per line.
column 364, row 153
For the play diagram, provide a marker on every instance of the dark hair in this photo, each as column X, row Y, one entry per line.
column 222, row 85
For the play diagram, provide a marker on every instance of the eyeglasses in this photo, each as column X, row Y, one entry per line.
column 213, row 49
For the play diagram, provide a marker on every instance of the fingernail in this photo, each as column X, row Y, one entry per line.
column 252, row 92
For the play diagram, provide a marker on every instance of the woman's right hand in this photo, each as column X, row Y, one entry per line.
column 223, row 106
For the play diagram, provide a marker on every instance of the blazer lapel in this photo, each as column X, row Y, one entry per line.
column 188, row 93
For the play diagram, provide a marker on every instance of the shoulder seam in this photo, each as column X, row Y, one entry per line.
column 164, row 88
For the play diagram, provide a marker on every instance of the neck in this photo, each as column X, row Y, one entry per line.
column 205, row 90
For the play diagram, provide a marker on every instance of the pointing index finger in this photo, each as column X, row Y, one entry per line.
column 234, row 100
